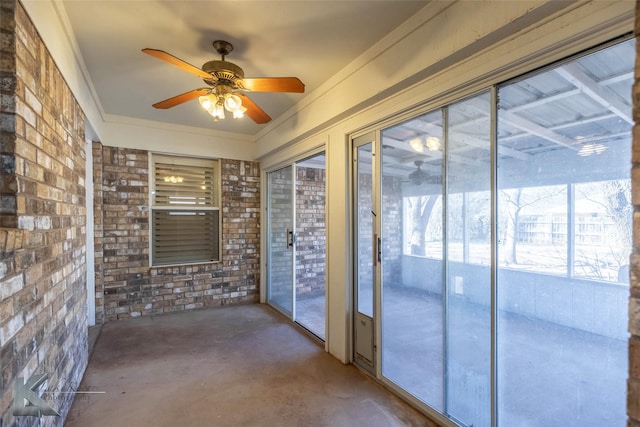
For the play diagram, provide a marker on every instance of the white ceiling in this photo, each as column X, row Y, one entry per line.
column 308, row 39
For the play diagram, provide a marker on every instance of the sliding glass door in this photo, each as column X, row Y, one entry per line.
column 436, row 322
column 468, row 256
column 413, row 300
column 493, row 236
column 564, row 227
column 296, row 252
column 280, row 230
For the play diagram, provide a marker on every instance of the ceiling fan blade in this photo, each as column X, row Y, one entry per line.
column 256, row 113
column 274, row 84
column 161, row 54
column 179, row 99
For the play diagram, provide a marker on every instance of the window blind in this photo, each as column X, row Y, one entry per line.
column 184, row 185
column 185, row 220
column 185, row 236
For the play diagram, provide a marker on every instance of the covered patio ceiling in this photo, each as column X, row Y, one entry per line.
column 579, row 110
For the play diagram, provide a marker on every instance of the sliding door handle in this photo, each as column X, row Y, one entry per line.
column 377, row 251
column 290, row 238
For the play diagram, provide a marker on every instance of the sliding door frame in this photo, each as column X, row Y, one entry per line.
column 265, row 291
column 442, row 102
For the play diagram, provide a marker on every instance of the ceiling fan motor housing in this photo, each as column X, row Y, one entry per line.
column 226, row 73
column 418, row 176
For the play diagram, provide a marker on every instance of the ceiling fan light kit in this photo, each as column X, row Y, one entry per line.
column 432, row 143
column 215, row 105
column 226, row 86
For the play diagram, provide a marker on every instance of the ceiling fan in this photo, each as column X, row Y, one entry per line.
column 419, row 177
column 226, row 85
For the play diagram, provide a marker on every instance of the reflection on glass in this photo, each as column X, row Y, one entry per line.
column 365, row 227
column 280, row 281
column 564, row 220
column 603, row 230
column 468, row 324
column 533, row 229
column 422, row 222
column 412, row 341
column 310, row 244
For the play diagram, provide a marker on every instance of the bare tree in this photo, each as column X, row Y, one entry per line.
column 421, row 208
column 516, row 201
column 613, row 197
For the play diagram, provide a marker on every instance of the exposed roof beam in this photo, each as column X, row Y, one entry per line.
column 584, row 121
column 564, row 126
column 567, row 93
column 543, row 100
column 573, row 74
column 628, row 75
column 536, row 129
column 528, row 126
column 479, row 143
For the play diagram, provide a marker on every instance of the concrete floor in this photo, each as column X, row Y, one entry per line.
column 232, row 366
column 310, row 313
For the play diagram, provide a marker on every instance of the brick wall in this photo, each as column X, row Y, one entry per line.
column 392, row 228
column 125, row 281
column 310, row 231
column 98, row 232
column 633, row 385
column 43, row 313
column 8, row 83
column 365, row 228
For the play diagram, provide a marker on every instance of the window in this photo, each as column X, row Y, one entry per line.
column 603, row 230
column 185, row 210
column 533, row 228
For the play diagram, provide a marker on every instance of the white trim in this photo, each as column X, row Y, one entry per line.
column 172, row 127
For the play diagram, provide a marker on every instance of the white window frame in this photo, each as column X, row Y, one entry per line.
column 215, row 205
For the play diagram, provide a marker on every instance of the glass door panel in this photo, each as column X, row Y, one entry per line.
column 310, row 244
column 565, row 220
column 468, row 249
column 365, row 231
column 281, row 236
column 412, row 261
column 366, row 256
